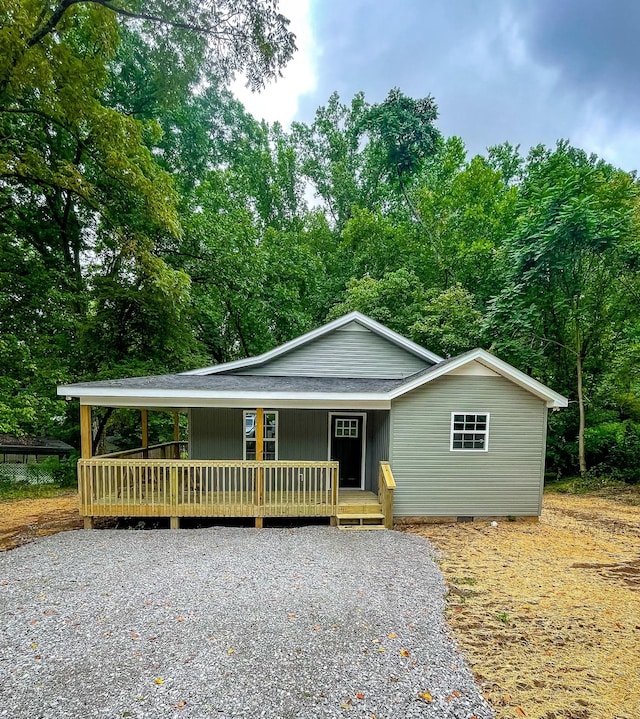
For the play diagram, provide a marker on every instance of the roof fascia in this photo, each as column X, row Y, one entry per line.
column 118, row 397
column 553, row 399
column 365, row 321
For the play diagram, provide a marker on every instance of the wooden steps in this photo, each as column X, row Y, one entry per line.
column 360, row 520
column 359, row 509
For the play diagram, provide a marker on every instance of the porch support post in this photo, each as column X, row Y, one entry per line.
column 176, row 435
column 86, row 432
column 259, row 434
column 259, row 458
column 86, row 448
column 144, row 419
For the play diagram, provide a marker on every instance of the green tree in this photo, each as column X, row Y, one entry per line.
column 335, row 160
column 449, row 322
column 567, row 260
column 467, row 213
column 402, row 132
column 93, row 99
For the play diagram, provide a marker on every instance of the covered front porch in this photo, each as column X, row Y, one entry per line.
column 163, row 480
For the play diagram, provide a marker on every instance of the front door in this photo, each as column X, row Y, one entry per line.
column 346, row 448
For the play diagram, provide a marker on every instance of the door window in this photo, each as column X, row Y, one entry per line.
column 346, row 428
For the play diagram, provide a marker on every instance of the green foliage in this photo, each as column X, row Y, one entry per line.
column 468, row 212
column 395, row 300
column 374, row 244
column 11, row 491
column 405, row 131
column 60, row 472
column 582, row 485
column 613, row 449
column 342, row 169
column 567, row 258
column 102, row 137
column 449, row 323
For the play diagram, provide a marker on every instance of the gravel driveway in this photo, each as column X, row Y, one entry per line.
column 228, row 622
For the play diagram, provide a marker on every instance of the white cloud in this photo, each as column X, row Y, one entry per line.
column 279, row 100
column 615, row 142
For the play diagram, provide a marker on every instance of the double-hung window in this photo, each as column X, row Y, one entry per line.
column 269, row 435
column 470, row 431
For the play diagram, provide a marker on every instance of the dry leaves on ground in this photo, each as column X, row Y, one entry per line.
column 548, row 613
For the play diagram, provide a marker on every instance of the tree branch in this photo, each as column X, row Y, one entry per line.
column 51, row 24
column 191, row 27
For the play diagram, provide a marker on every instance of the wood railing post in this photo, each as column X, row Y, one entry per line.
column 174, row 520
column 259, row 458
column 386, row 486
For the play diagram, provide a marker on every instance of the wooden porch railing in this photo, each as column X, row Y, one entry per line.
column 167, row 450
column 124, row 486
column 386, row 486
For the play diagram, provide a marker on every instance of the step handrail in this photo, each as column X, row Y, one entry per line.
column 386, row 487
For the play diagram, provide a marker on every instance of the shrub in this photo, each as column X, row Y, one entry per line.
column 613, row 450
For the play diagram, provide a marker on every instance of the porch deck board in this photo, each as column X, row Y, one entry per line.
column 193, row 505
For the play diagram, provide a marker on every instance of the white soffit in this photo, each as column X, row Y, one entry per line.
column 474, row 369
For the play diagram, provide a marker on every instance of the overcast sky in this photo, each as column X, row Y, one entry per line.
column 526, row 71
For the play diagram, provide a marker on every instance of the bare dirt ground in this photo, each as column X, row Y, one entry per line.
column 547, row 614
column 23, row 520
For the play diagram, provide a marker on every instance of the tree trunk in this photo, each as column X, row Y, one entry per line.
column 581, row 458
column 102, row 423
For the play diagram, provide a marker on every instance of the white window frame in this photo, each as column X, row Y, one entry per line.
column 264, row 440
column 484, row 432
column 346, row 423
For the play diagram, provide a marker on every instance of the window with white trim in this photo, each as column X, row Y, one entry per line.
column 269, row 435
column 470, row 431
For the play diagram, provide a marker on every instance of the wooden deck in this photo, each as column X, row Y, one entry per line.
column 167, row 486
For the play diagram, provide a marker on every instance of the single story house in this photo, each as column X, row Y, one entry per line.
column 351, row 421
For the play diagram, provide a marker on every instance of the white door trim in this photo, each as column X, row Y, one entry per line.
column 363, row 461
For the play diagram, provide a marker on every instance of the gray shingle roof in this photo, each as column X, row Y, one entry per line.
column 247, row 383
column 9, row 443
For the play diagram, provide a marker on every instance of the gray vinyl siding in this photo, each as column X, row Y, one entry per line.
column 303, row 434
column 215, row 433
column 434, row 481
column 377, row 449
column 352, row 351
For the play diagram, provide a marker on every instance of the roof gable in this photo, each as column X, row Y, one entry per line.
column 351, row 346
column 490, row 362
